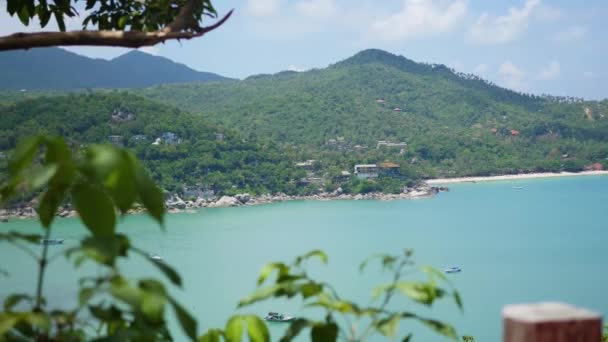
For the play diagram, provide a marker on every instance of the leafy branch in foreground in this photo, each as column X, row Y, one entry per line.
column 360, row 322
column 100, row 182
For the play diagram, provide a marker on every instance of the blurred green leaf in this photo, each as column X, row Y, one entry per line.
column 14, row 299
column 24, row 154
column 167, row 270
column 440, row 327
column 260, row 294
column 315, row 253
column 95, row 209
column 212, row 335
column 49, row 203
column 268, row 268
column 104, row 249
column 40, row 176
column 7, row 322
column 458, row 300
column 434, row 273
column 327, row 332
column 234, row 329
column 149, row 194
column 85, row 294
column 388, row 326
column 420, row 292
column 387, row 261
column 187, row 322
column 256, row 329
column 294, row 329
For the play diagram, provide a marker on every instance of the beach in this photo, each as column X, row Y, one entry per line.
column 514, row 177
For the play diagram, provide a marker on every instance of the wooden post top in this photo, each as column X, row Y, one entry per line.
column 548, row 311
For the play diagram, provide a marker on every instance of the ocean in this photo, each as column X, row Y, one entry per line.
column 545, row 242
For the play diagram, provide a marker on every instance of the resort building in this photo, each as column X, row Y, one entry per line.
column 116, row 139
column 389, row 169
column 366, row 171
column 219, row 136
column 169, row 138
column 388, row 144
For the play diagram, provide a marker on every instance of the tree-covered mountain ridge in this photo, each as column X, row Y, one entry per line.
column 56, row 68
column 453, row 124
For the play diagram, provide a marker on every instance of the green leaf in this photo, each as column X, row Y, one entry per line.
column 186, row 321
column 316, row 253
column 24, row 154
column 458, row 300
column 153, row 306
column 149, row 194
column 15, row 299
column 387, row 261
column 408, row 338
column 234, row 329
column 310, row 289
column 260, row 294
column 24, row 16
column 95, row 209
column 440, row 327
column 104, row 249
column 7, row 322
column 85, row 295
column 256, row 329
column 212, row 335
column 49, row 203
column 434, row 273
column 41, row 176
column 294, row 329
column 114, row 168
column 327, row 332
column 268, row 268
column 420, row 292
column 129, row 294
column 388, row 326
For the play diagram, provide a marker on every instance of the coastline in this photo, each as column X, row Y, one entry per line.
column 520, row 176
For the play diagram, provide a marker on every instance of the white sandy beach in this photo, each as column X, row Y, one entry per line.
column 513, row 177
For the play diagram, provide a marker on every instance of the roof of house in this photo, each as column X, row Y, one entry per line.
column 389, row 165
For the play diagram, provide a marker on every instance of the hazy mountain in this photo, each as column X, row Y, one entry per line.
column 55, row 68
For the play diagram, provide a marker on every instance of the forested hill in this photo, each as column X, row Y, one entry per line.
column 456, row 124
column 374, row 96
column 55, row 68
column 178, row 148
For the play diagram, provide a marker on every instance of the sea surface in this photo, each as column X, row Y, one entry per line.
column 545, row 242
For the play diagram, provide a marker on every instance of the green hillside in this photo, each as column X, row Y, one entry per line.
column 230, row 165
column 55, row 68
column 447, row 119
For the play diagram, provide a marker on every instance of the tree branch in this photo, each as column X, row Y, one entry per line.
column 131, row 39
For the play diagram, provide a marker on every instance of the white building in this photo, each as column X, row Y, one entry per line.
column 366, row 171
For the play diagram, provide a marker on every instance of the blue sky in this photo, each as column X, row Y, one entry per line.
column 537, row 46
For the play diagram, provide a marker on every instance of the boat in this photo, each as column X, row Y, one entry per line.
column 453, row 269
column 277, row 317
column 155, row 257
column 518, row 187
column 51, row 241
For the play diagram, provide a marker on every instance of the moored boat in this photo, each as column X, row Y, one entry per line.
column 51, row 241
column 453, row 269
column 277, row 317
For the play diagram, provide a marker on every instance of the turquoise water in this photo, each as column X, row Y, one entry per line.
column 546, row 242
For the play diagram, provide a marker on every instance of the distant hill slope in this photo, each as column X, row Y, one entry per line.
column 458, row 124
column 55, row 68
column 193, row 155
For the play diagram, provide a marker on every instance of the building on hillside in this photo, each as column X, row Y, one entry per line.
column 389, row 169
column 494, row 130
column 307, row 165
column 198, row 191
column 514, row 132
column 366, row 171
column 139, row 138
column 380, row 101
column 397, row 109
column 343, row 176
column 359, row 148
column 169, row 138
column 594, row 167
column 219, row 136
column 388, row 144
column 119, row 115
column 116, row 139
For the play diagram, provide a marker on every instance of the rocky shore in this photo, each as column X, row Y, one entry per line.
column 175, row 204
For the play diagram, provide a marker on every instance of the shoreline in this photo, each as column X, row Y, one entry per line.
column 520, row 176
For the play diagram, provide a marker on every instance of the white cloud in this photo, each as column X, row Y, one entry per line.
column 296, row 68
column 316, row 8
column 505, row 28
column 548, row 13
column 511, row 75
column 549, row 72
column 420, row 18
column 588, row 74
column 480, row 69
column 263, row 8
column 571, row 34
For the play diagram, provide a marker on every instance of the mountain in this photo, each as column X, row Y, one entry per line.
column 453, row 124
column 190, row 151
column 55, row 68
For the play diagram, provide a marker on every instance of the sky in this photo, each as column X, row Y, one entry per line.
column 553, row 47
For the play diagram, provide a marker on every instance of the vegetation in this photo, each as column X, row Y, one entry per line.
column 454, row 125
column 55, row 68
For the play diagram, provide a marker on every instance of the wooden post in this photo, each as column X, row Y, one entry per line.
column 550, row 322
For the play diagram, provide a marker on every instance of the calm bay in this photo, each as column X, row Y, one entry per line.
column 545, row 242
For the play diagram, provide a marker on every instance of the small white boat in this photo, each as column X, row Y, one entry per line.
column 155, row 257
column 453, row 269
column 518, row 187
column 277, row 317
column 51, row 241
